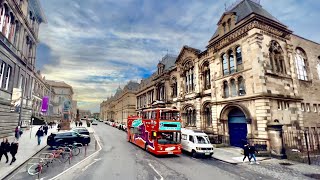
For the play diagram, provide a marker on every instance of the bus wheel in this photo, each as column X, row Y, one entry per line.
column 146, row 147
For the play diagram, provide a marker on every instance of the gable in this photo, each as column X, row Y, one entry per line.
column 187, row 53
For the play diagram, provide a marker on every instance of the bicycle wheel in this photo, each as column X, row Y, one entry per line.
column 65, row 157
column 75, row 151
column 34, row 169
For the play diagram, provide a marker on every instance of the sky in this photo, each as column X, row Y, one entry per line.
column 98, row 45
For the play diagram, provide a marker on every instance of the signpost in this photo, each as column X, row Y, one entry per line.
column 65, row 123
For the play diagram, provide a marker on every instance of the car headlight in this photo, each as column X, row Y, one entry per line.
column 198, row 148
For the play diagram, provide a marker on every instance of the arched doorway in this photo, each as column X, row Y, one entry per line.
column 237, row 127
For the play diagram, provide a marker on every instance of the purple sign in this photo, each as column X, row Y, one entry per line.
column 45, row 104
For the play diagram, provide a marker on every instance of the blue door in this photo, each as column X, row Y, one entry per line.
column 237, row 128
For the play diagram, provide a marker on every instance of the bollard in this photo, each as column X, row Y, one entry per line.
column 85, row 150
column 70, row 158
column 96, row 145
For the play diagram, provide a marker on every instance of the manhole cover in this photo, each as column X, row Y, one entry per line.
column 286, row 164
column 314, row 176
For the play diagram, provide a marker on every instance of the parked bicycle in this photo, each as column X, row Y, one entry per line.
column 75, row 148
column 37, row 168
column 63, row 154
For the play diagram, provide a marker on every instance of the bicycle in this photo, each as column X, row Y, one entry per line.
column 37, row 168
column 63, row 153
column 75, row 150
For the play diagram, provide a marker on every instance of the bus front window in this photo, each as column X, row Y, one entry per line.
column 169, row 138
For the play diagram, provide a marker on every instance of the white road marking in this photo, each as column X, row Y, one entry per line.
column 95, row 160
column 161, row 178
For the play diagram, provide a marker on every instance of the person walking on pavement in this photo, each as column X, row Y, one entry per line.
column 246, row 152
column 13, row 151
column 76, row 123
column 39, row 134
column 45, row 129
column 252, row 154
column 17, row 132
column 59, row 127
column 4, row 149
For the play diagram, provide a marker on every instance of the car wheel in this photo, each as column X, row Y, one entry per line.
column 194, row 154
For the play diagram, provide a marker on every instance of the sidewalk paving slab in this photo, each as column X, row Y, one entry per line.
column 28, row 147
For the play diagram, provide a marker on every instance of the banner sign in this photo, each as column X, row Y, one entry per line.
column 66, row 105
column 170, row 126
column 15, row 99
column 45, row 104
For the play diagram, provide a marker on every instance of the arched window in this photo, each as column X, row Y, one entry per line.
column 174, row 87
column 189, row 76
column 207, row 115
column 224, row 28
column 238, row 55
column 225, row 89
column 276, row 58
column 233, row 88
column 206, row 76
column 190, row 116
column 231, row 62
column 3, row 11
column 241, row 85
column 229, row 24
column 225, row 64
column 301, row 64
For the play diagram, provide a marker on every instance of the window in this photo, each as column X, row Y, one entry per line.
column 229, row 24
column 276, row 58
column 189, row 77
column 184, row 136
column 302, row 107
column 225, row 89
column 3, row 66
column 318, row 66
column 191, row 139
column 308, row 107
column 190, row 116
column 202, row 140
column 207, row 115
column 314, row 108
column 206, row 76
column 225, row 64
column 231, row 62
column 241, row 85
column 286, row 105
column 168, row 138
column 224, row 28
column 238, row 55
column 233, row 88
column 301, row 64
column 174, row 87
column 279, row 105
column 7, row 78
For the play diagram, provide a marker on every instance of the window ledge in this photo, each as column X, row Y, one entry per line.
column 235, row 73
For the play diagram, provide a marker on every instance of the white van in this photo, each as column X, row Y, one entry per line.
column 196, row 142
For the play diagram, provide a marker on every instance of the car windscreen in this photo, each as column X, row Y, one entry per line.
column 202, row 140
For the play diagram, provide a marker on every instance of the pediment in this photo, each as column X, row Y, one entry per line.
column 187, row 53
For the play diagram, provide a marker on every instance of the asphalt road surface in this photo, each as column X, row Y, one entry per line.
column 122, row 160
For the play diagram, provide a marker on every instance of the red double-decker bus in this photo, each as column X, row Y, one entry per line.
column 157, row 130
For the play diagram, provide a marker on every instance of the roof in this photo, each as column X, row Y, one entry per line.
column 58, row 84
column 168, row 61
column 185, row 47
column 37, row 9
column 243, row 9
column 131, row 86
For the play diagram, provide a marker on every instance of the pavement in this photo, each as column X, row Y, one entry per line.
column 232, row 155
column 28, row 147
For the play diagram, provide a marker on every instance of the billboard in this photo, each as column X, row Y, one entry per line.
column 45, row 104
column 15, row 99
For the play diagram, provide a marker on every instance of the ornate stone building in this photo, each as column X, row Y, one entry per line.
column 121, row 105
column 19, row 25
column 159, row 86
column 254, row 73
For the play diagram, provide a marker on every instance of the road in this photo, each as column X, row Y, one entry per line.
column 119, row 159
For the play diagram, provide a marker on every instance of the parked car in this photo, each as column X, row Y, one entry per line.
column 67, row 137
column 100, row 120
column 81, row 130
column 196, row 143
column 94, row 122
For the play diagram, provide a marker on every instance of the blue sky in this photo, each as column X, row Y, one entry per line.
column 97, row 45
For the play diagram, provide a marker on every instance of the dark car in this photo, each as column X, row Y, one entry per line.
column 81, row 130
column 67, row 137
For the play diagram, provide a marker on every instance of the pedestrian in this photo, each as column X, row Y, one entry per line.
column 4, row 149
column 80, row 123
column 59, row 127
column 76, row 123
column 17, row 132
column 246, row 152
column 39, row 134
column 45, row 129
column 13, row 151
column 252, row 153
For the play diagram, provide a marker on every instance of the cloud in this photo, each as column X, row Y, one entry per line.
column 95, row 46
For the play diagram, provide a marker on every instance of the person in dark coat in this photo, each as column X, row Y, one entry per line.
column 13, row 151
column 252, row 153
column 4, row 149
column 39, row 134
column 45, row 129
column 59, row 127
column 246, row 152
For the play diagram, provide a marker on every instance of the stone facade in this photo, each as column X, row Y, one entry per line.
column 19, row 25
column 121, row 105
column 254, row 72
